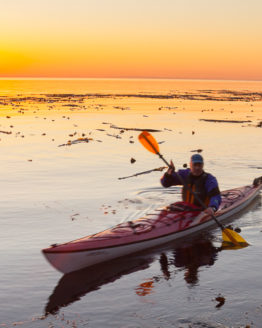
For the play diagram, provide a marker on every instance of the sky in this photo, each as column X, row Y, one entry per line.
column 185, row 39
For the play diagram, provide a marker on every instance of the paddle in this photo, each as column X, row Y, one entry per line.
column 228, row 235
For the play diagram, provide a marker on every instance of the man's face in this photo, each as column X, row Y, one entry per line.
column 196, row 168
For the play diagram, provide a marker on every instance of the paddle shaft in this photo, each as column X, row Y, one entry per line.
column 183, row 183
column 154, row 146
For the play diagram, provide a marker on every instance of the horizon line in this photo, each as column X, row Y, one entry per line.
column 123, row 78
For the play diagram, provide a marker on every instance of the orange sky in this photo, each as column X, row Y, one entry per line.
column 111, row 38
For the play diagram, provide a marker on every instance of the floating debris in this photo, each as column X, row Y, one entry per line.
column 70, row 105
column 144, row 172
column 133, row 129
column 205, row 95
column 114, row 136
column 255, row 167
column 6, row 132
column 196, row 151
column 167, row 107
column 122, row 108
column 224, row 121
column 221, row 301
column 79, row 140
column 73, row 217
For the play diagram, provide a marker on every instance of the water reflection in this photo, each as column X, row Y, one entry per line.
column 71, row 287
column 178, row 256
column 188, row 258
column 192, row 257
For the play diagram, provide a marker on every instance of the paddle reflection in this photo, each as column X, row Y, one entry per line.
column 71, row 287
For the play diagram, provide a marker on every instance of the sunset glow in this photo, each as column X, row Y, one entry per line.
column 165, row 39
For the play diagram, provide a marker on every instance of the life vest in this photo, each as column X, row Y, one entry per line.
column 197, row 185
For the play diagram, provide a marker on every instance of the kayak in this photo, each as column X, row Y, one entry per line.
column 163, row 225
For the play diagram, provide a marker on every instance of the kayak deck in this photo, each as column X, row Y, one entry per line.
column 161, row 226
column 154, row 225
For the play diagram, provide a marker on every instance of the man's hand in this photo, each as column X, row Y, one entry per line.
column 209, row 211
column 171, row 168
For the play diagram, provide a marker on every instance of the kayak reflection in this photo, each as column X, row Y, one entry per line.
column 71, row 287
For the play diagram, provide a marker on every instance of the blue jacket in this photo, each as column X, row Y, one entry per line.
column 211, row 185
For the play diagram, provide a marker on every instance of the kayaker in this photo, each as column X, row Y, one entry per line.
column 203, row 184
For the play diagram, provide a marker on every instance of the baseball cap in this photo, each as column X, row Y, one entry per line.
column 196, row 158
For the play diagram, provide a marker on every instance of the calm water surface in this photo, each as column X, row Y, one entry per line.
column 53, row 194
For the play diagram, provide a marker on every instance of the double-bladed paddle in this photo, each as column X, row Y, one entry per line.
column 228, row 235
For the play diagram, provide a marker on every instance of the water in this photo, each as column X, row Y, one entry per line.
column 54, row 194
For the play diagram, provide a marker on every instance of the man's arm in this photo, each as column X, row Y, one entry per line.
column 172, row 179
column 215, row 201
column 213, row 192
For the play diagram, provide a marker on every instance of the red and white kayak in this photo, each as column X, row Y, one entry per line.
column 161, row 226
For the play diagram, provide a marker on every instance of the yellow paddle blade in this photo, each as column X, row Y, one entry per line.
column 231, row 247
column 232, row 237
column 149, row 142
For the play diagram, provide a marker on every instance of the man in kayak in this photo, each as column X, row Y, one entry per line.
column 203, row 184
